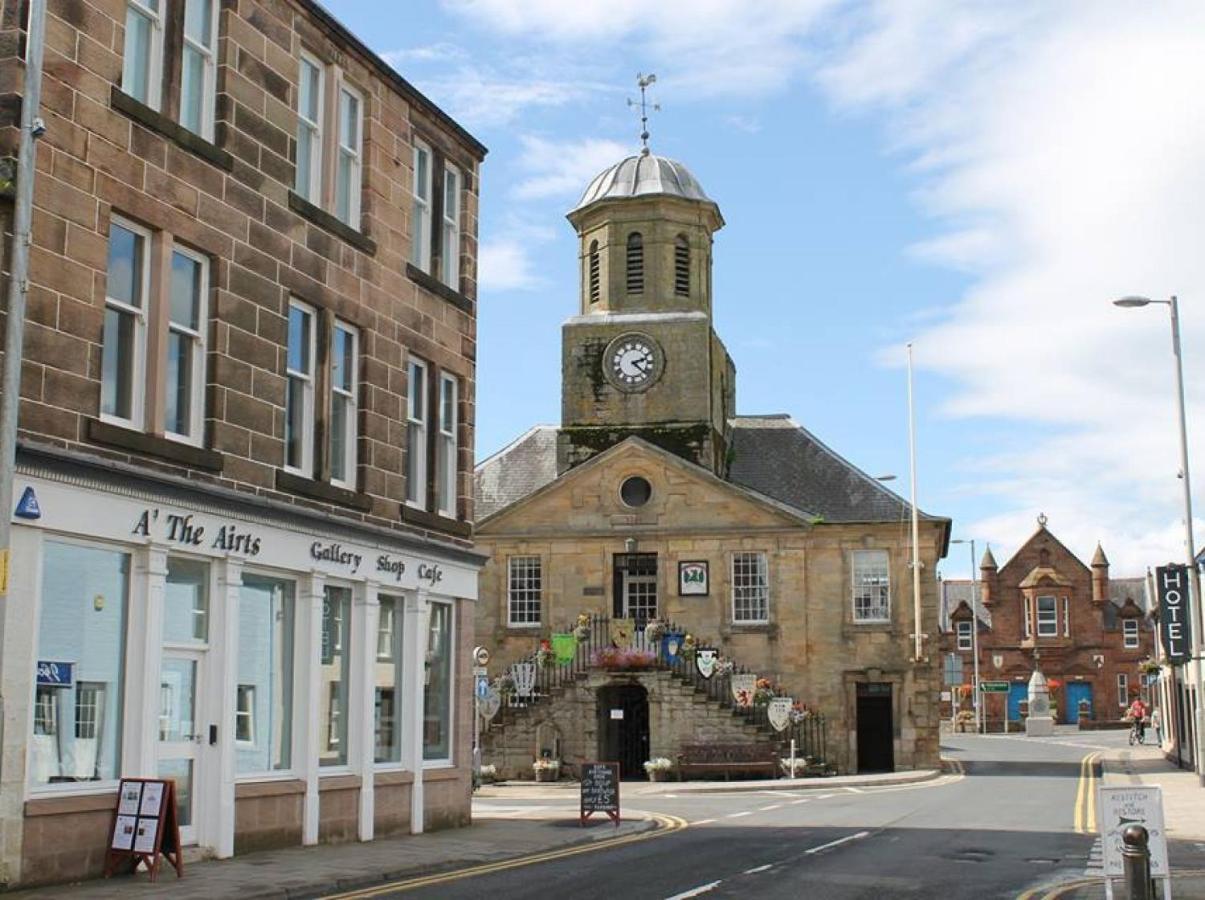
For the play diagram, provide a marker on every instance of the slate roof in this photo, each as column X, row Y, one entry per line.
column 772, row 456
column 957, row 591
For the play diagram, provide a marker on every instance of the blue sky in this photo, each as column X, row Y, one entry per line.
column 980, row 178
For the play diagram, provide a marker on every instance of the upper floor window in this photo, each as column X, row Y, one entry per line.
column 416, row 435
column 1123, row 690
column 1028, row 604
column 299, row 392
column 344, row 358
column 176, row 372
column 142, row 62
column 965, row 635
column 871, row 586
column 308, row 183
column 420, row 251
column 450, row 248
column 750, row 587
column 681, row 266
column 199, row 67
column 524, row 590
column 1066, row 617
column 1129, row 630
column 1048, row 617
column 635, row 273
column 347, row 171
column 446, row 452
column 593, row 272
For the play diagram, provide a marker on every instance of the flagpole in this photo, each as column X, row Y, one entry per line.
column 916, row 616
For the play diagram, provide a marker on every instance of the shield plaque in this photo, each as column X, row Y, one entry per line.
column 705, row 660
column 490, row 705
column 779, row 712
column 671, row 644
column 524, row 675
column 743, row 687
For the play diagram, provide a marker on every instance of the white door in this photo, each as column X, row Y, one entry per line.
column 181, row 734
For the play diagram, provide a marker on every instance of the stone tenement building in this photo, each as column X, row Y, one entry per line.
column 1088, row 632
column 654, row 499
column 247, row 422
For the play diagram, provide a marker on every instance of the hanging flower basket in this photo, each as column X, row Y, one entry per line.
column 654, row 631
column 616, row 659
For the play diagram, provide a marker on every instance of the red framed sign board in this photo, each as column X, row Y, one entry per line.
column 600, row 790
column 145, row 829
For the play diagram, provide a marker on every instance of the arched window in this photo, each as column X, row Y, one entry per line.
column 594, row 271
column 682, row 266
column 635, row 263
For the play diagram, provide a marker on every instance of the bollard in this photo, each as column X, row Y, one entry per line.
column 1137, row 860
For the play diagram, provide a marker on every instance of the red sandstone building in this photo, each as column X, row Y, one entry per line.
column 1088, row 632
column 247, row 418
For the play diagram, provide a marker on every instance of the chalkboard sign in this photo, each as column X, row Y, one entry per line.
column 145, row 828
column 600, row 790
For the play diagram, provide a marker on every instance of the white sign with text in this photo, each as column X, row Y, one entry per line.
column 1120, row 807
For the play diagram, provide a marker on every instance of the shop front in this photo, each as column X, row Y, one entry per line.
column 291, row 672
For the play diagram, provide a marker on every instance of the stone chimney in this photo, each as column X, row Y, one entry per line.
column 1100, row 577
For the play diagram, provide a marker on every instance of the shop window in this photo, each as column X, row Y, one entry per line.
column 335, row 667
column 437, row 692
column 310, row 85
column 446, row 450
column 186, row 601
column 388, row 682
column 244, row 714
column 1048, row 617
column 416, row 435
column 1129, row 628
column 525, row 579
column 965, row 636
column 750, row 588
column 265, row 664
column 77, row 724
column 871, row 586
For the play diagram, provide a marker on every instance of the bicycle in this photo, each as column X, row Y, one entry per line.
column 1137, row 733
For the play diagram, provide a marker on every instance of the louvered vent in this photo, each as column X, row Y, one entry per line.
column 594, row 286
column 682, row 267
column 635, row 263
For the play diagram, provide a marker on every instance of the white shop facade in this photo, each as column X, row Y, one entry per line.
column 291, row 671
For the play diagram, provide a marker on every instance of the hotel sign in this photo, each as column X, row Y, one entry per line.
column 1175, row 624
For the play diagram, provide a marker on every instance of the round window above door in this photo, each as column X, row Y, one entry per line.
column 635, row 491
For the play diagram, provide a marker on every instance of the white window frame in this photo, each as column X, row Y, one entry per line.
column 196, row 422
column 855, row 568
column 1051, row 624
column 1123, row 690
column 416, row 422
column 248, row 714
column 138, row 364
column 519, row 587
column 386, row 630
column 313, row 190
column 209, row 70
column 1027, row 602
column 420, row 227
column 306, row 469
column 353, row 154
column 445, row 762
column 966, row 636
column 763, row 571
column 1131, row 636
column 1066, row 617
column 350, row 431
column 154, row 75
column 448, row 451
column 450, row 234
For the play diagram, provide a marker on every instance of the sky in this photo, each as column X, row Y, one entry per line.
column 978, row 178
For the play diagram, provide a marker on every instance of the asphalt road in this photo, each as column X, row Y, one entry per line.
column 1006, row 825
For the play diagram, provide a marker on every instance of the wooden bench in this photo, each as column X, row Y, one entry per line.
column 707, row 759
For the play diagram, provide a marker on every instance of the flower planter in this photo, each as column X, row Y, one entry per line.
column 659, row 775
column 548, row 774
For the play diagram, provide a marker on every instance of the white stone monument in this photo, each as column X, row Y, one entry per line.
column 1040, row 723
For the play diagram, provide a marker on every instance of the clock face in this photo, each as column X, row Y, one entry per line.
column 632, row 361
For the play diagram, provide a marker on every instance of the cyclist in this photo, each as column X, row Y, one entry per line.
column 1137, row 713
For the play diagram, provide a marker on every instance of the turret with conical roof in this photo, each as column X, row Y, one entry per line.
column 988, row 571
column 1100, row 576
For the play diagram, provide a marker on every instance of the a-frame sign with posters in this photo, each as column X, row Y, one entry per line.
column 146, row 828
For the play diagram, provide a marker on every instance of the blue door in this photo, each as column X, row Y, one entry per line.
column 1078, row 692
column 1018, row 692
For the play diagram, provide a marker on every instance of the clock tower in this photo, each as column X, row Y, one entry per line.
column 641, row 356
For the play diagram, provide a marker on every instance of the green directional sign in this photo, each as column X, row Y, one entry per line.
column 993, row 687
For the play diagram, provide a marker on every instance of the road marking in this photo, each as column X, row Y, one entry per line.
column 758, row 869
column 854, row 790
column 824, row 796
column 1085, row 796
column 668, row 825
column 702, row 889
column 703, row 822
column 797, row 802
column 770, row 807
column 737, row 815
column 839, row 841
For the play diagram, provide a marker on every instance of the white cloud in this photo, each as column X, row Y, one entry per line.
column 563, row 168
column 439, row 52
column 504, row 264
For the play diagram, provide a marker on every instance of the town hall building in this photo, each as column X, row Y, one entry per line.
column 655, row 502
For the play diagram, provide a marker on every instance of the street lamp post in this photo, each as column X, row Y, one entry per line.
column 1194, row 581
column 974, row 636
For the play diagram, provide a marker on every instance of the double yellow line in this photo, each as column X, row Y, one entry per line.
column 665, row 825
column 1085, row 795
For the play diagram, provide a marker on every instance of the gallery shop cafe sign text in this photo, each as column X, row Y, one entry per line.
column 193, row 532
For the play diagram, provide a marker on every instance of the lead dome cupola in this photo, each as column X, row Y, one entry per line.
column 643, row 175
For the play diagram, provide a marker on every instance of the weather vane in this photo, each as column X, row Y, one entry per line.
column 644, row 81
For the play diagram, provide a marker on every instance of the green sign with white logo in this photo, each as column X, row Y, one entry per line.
column 993, row 687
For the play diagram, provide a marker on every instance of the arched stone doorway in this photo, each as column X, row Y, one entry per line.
column 623, row 727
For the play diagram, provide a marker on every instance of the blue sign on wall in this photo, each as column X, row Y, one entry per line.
column 27, row 507
column 55, row 674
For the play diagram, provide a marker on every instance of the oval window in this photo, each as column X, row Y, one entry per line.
column 635, row 491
